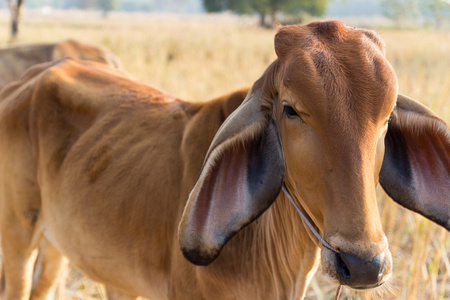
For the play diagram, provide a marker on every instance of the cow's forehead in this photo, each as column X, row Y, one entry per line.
column 339, row 70
column 331, row 33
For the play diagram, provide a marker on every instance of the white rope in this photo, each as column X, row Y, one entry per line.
column 311, row 227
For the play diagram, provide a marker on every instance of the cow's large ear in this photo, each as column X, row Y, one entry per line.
column 241, row 177
column 416, row 167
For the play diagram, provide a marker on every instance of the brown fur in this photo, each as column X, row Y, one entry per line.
column 15, row 60
column 100, row 168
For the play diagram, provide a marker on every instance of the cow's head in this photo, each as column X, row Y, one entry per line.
column 325, row 119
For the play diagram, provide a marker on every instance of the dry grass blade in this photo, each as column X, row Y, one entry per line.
column 338, row 292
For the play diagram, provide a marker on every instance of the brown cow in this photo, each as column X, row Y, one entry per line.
column 14, row 61
column 106, row 171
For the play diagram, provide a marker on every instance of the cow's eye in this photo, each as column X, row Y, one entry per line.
column 289, row 111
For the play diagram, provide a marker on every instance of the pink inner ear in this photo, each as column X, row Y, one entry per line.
column 222, row 198
column 238, row 183
column 431, row 169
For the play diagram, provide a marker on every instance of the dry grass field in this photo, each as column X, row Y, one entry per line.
column 198, row 58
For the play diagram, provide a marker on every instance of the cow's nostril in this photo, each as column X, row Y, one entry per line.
column 358, row 272
column 342, row 268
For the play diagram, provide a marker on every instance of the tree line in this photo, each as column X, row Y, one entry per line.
column 268, row 11
column 264, row 8
column 401, row 10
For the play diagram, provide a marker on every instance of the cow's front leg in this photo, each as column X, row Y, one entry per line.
column 19, row 256
column 49, row 265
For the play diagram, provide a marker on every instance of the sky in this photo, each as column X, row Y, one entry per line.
column 335, row 7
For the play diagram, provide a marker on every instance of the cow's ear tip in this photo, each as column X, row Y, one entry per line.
column 199, row 257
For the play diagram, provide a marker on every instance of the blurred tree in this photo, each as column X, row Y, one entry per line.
column 398, row 10
column 265, row 7
column 107, row 5
column 438, row 9
column 214, row 5
column 15, row 7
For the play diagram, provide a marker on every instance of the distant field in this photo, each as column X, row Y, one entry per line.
column 198, row 58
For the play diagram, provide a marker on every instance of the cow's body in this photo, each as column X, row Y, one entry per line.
column 15, row 60
column 134, row 198
column 105, row 171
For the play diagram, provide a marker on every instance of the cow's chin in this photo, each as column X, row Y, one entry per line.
column 332, row 271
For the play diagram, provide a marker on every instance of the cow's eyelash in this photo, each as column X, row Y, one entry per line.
column 289, row 111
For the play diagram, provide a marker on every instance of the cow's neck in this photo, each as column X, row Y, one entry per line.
column 277, row 253
column 281, row 249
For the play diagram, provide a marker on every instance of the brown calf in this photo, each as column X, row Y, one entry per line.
column 100, row 167
column 14, row 61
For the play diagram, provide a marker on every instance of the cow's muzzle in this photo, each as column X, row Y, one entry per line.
column 357, row 272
